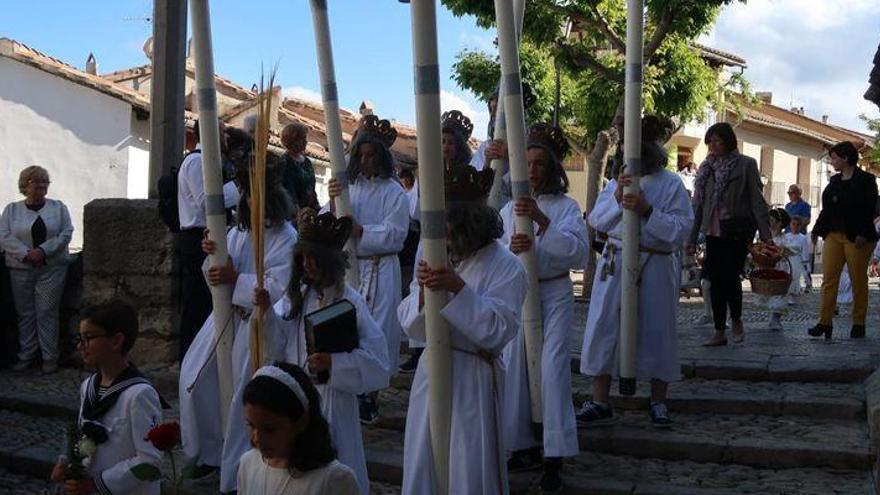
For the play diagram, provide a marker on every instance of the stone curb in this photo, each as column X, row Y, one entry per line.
column 816, row 407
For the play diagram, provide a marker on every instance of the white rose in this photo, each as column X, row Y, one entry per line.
column 87, row 447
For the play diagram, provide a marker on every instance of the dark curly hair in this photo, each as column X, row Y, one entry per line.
column 312, row 448
column 472, row 226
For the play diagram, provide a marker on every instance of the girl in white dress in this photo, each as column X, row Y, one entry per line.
column 292, row 452
column 777, row 305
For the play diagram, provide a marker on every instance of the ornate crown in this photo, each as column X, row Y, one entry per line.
column 322, row 230
column 458, row 123
column 465, row 183
column 549, row 137
column 380, row 128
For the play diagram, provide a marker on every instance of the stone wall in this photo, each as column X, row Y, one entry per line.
column 128, row 254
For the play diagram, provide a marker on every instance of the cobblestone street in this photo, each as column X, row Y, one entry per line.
column 780, row 414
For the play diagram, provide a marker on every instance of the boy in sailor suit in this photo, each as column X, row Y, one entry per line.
column 118, row 407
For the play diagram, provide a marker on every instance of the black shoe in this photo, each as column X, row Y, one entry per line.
column 551, row 482
column 819, row 330
column 660, row 415
column 369, row 410
column 524, row 460
column 857, row 332
column 592, row 414
column 411, row 364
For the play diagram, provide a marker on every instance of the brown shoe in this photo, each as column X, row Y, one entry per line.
column 50, row 366
column 738, row 332
column 717, row 340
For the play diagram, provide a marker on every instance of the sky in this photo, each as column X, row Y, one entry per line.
column 811, row 53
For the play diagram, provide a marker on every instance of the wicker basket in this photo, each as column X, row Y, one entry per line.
column 763, row 259
column 770, row 282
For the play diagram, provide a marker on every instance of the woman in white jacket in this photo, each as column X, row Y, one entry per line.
column 34, row 234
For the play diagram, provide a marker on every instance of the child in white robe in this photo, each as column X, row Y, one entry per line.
column 118, row 406
column 456, row 131
column 792, row 244
column 318, row 281
column 667, row 217
column 561, row 245
column 380, row 214
column 202, row 430
column 293, row 453
column 486, row 285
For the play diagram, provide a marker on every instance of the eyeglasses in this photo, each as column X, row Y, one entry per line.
column 85, row 338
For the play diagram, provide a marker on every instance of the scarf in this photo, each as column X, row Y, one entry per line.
column 719, row 168
column 95, row 406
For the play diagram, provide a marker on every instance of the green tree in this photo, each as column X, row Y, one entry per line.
column 873, row 154
column 678, row 82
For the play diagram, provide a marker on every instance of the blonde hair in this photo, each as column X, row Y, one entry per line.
column 30, row 174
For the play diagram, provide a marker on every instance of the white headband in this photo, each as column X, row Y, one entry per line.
column 284, row 377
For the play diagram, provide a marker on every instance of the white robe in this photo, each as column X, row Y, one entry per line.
column 363, row 370
column 792, row 242
column 135, row 412
column 478, row 161
column 561, row 248
column 666, row 230
column 202, row 432
column 381, row 207
column 255, row 477
column 485, row 315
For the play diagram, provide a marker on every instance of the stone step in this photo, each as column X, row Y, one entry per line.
column 613, row 474
column 700, row 395
column 714, row 436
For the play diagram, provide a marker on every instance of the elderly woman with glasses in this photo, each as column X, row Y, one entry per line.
column 34, row 234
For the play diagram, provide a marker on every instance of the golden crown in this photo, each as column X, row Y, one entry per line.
column 458, row 123
column 380, row 128
column 465, row 183
column 549, row 137
column 323, row 230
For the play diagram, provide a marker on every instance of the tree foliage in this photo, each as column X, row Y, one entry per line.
column 678, row 82
column 873, row 154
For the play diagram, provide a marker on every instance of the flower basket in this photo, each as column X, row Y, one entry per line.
column 770, row 281
column 764, row 255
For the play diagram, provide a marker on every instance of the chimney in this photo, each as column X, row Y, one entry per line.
column 824, row 119
column 366, row 108
column 765, row 97
column 190, row 53
column 801, row 110
column 148, row 48
column 92, row 65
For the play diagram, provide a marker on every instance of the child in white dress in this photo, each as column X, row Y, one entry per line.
column 792, row 244
column 292, row 452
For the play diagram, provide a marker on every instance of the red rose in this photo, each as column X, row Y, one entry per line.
column 165, row 436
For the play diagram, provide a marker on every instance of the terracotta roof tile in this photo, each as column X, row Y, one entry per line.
column 20, row 52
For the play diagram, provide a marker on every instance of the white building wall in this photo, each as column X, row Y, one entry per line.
column 81, row 136
column 138, row 186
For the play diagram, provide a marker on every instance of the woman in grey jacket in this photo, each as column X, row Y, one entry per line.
column 34, row 234
column 729, row 207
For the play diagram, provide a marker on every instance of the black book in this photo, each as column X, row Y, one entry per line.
column 332, row 329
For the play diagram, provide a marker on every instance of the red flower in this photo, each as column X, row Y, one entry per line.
column 165, row 436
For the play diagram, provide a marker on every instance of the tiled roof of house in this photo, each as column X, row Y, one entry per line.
column 20, row 52
column 779, row 118
column 720, row 56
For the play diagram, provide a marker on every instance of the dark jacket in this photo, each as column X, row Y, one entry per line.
column 299, row 181
column 849, row 204
column 743, row 197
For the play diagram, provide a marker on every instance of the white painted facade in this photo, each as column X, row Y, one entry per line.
column 92, row 144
